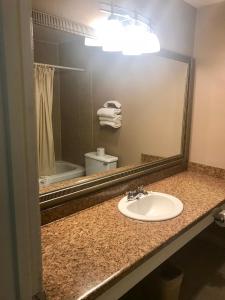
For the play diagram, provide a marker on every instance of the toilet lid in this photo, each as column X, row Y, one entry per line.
column 104, row 158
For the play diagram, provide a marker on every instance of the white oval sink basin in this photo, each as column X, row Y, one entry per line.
column 152, row 207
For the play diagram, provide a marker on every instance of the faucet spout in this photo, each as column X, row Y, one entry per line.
column 136, row 194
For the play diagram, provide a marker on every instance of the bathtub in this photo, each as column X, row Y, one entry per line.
column 64, row 171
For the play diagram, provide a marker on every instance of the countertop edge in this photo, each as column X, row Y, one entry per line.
column 110, row 282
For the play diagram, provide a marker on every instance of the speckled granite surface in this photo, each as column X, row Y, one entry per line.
column 86, row 253
column 208, row 170
column 76, row 204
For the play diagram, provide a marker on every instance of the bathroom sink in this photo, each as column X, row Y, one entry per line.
column 151, row 207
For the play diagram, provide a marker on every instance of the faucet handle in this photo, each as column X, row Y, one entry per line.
column 130, row 195
column 141, row 190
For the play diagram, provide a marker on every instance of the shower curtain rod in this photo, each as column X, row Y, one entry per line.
column 61, row 67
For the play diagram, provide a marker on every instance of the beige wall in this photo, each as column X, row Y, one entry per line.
column 76, row 104
column 174, row 20
column 208, row 130
column 151, row 90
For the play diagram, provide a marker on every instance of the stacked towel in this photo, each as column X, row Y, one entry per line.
column 108, row 112
column 111, row 124
column 112, row 103
column 109, row 116
column 117, row 118
column 114, row 122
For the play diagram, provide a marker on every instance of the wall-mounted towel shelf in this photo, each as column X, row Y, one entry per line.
column 61, row 67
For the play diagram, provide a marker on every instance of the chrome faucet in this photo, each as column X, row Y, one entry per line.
column 136, row 194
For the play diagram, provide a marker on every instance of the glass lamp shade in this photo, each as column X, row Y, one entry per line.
column 92, row 42
column 138, row 39
column 151, row 43
column 111, row 35
column 108, row 35
column 132, row 40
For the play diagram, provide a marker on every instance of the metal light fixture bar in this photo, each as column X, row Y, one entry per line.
column 124, row 14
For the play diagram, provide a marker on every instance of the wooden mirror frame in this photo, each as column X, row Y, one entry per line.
column 53, row 198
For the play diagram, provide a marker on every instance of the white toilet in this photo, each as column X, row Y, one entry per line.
column 95, row 163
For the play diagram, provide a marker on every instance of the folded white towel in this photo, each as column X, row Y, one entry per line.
column 112, row 103
column 111, row 124
column 108, row 112
column 118, row 118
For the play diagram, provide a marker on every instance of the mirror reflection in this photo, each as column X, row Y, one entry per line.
column 102, row 112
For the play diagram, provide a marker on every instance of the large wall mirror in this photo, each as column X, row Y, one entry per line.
column 104, row 116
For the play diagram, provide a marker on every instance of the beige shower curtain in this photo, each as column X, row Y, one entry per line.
column 44, row 77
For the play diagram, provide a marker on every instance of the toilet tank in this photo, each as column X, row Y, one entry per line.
column 96, row 164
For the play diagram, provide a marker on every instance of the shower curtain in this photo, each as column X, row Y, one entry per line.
column 44, row 77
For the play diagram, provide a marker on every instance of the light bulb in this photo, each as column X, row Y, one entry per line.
column 92, row 42
column 138, row 39
column 133, row 39
column 111, row 35
column 151, row 44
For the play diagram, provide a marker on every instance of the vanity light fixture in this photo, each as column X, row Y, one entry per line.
column 110, row 34
column 139, row 39
column 122, row 33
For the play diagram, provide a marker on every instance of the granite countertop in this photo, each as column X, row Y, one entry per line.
column 87, row 252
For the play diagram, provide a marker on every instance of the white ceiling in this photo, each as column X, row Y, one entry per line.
column 199, row 3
